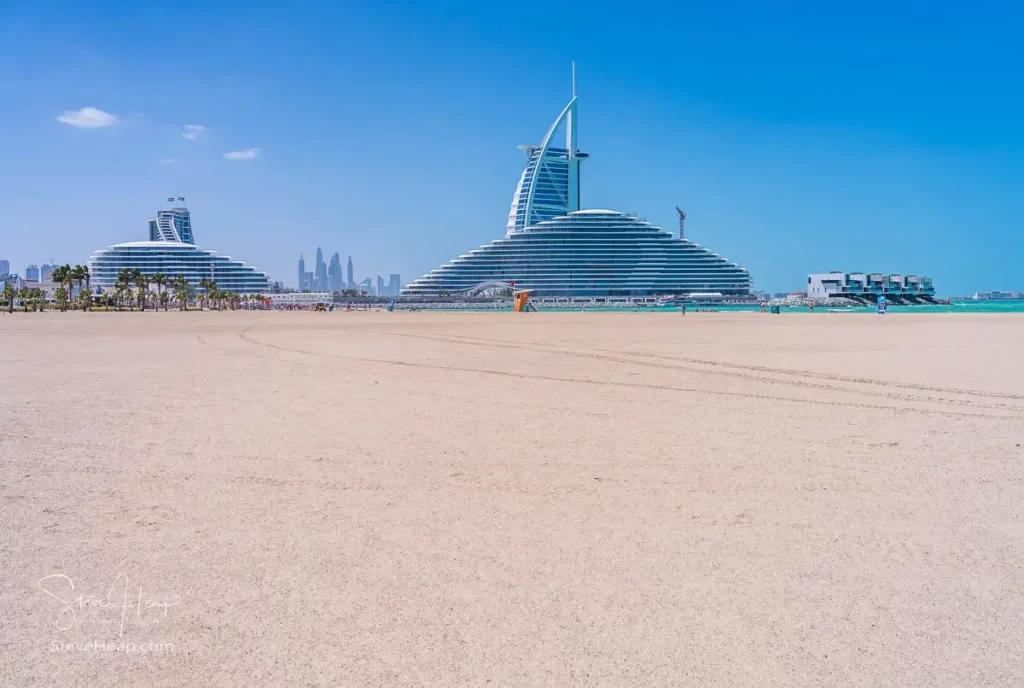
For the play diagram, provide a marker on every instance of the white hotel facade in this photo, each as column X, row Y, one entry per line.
column 171, row 251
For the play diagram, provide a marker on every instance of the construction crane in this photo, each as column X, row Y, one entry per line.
column 682, row 222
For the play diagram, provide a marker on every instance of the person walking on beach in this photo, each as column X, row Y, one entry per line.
column 684, row 310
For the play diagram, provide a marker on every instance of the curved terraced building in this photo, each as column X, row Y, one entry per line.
column 589, row 253
column 171, row 251
column 553, row 248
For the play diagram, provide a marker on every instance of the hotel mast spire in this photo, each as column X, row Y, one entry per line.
column 573, row 152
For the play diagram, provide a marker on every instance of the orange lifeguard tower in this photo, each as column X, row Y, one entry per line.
column 520, row 301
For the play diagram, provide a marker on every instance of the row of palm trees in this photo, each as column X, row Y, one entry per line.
column 29, row 297
column 64, row 275
column 67, row 276
column 131, row 288
column 176, row 289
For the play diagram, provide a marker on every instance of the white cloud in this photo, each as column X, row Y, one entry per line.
column 247, row 154
column 193, row 132
column 88, row 118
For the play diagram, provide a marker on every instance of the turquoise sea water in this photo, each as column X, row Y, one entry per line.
column 1015, row 306
column 955, row 307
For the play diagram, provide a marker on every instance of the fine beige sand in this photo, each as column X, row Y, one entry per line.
column 618, row 499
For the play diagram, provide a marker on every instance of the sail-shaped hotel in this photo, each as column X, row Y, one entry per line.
column 552, row 247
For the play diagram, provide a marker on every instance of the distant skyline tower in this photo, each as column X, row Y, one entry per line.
column 320, row 272
column 351, row 278
column 5, row 268
column 32, row 272
column 45, row 272
column 395, row 284
column 366, row 285
column 335, row 281
column 380, row 286
column 302, row 273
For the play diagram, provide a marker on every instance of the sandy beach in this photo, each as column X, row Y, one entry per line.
column 616, row 499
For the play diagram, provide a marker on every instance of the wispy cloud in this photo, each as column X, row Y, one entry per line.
column 170, row 161
column 247, row 154
column 193, row 132
column 88, row 118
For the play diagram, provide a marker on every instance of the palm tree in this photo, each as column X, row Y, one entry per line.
column 62, row 299
column 80, row 273
column 142, row 285
column 9, row 296
column 122, row 285
column 37, row 299
column 159, row 279
column 62, row 275
column 88, row 280
column 208, row 286
column 180, row 285
column 69, row 282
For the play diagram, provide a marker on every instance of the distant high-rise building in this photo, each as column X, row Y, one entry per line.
column 5, row 268
column 32, row 272
column 351, row 279
column 335, row 280
column 381, row 291
column 45, row 272
column 302, row 273
column 366, row 285
column 307, row 282
column 320, row 272
column 395, row 284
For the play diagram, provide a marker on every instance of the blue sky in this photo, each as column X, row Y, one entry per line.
column 797, row 137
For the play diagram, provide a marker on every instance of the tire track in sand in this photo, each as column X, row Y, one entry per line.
column 246, row 334
column 740, row 371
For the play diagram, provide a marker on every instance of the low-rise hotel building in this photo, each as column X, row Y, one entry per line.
column 868, row 285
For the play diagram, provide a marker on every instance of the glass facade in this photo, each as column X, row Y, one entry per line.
column 172, row 251
column 173, row 259
column 550, row 191
column 589, row 253
column 174, row 224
